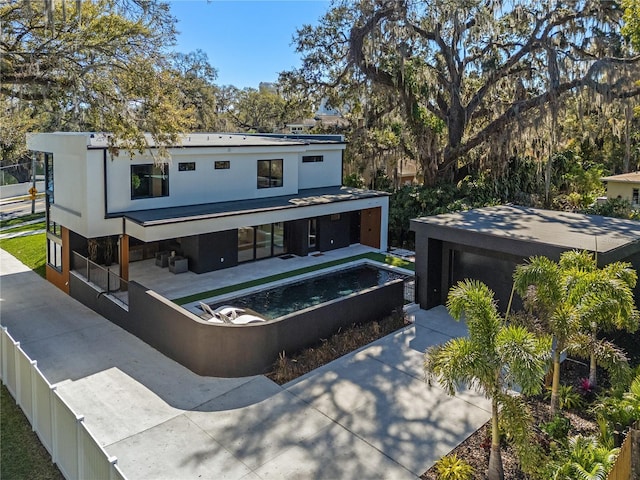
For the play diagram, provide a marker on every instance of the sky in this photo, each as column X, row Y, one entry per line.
column 247, row 41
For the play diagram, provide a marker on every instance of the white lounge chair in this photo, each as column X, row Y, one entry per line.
column 247, row 318
column 214, row 317
column 229, row 311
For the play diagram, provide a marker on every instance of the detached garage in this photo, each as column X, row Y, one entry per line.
column 486, row 244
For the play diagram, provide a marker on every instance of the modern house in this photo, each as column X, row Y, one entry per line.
column 221, row 200
column 625, row 186
column 486, row 244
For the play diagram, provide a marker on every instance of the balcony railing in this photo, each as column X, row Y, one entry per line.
column 110, row 282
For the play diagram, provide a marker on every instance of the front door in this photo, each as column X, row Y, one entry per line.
column 370, row 224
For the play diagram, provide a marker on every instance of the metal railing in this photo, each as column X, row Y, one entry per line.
column 410, row 290
column 105, row 279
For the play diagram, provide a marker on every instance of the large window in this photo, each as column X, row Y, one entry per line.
column 263, row 241
column 269, row 173
column 149, row 181
column 54, row 240
column 47, row 158
column 54, row 252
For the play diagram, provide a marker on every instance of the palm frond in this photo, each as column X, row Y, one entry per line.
column 524, row 357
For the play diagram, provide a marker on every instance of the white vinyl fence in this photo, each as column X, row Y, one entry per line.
column 61, row 431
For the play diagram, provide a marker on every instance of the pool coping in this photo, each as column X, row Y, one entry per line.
column 193, row 307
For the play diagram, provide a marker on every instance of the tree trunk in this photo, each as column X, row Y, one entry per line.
column 592, row 370
column 555, row 384
column 592, row 360
column 495, row 472
column 628, row 114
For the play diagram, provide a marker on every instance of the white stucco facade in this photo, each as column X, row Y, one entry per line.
column 94, row 197
column 92, row 184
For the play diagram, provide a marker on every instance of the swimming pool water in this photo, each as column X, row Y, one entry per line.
column 285, row 299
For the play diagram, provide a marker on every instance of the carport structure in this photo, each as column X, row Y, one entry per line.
column 486, row 244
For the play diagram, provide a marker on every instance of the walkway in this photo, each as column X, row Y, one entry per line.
column 369, row 414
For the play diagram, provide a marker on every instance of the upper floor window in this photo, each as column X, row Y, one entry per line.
column 222, row 164
column 269, row 173
column 149, row 181
column 312, row 158
column 47, row 158
column 186, row 166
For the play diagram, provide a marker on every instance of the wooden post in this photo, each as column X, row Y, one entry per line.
column 635, row 452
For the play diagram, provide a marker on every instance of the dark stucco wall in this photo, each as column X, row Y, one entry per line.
column 298, row 237
column 234, row 350
column 445, row 255
column 211, row 251
column 334, row 233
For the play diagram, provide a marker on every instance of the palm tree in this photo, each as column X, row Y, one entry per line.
column 541, row 284
column 606, row 303
column 574, row 300
column 493, row 359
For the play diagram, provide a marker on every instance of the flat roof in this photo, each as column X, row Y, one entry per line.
column 304, row 198
column 560, row 229
column 633, row 177
column 216, row 139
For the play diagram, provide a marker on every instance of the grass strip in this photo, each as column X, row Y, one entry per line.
column 25, row 228
column 21, row 219
column 22, row 455
column 30, row 250
column 378, row 257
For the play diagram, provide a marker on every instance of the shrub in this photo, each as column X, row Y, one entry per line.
column 568, row 398
column 453, row 468
column 620, row 412
column 558, row 428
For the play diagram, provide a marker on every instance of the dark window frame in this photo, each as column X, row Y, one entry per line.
column 186, row 166
column 312, row 158
column 49, row 187
column 269, row 179
column 154, row 172
column 222, row 165
column 54, row 252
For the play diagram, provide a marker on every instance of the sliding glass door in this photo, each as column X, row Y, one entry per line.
column 263, row 241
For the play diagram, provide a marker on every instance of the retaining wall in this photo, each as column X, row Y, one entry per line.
column 234, row 350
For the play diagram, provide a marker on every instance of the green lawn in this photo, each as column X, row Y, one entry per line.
column 378, row 257
column 22, row 219
column 22, row 456
column 30, row 250
column 25, row 228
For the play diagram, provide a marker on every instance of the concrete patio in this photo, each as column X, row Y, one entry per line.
column 368, row 414
column 173, row 286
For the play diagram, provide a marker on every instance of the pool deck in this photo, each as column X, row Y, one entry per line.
column 368, row 414
column 173, row 286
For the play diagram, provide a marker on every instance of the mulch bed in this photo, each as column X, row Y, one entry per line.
column 347, row 340
column 475, row 449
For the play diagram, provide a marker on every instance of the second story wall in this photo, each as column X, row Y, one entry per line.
column 320, row 166
column 201, row 175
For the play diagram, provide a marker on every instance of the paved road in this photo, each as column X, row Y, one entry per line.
column 17, row 207
column 368, row 414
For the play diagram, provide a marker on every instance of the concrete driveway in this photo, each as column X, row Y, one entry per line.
column 368, row 414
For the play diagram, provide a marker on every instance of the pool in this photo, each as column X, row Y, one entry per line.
column 285, row 299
